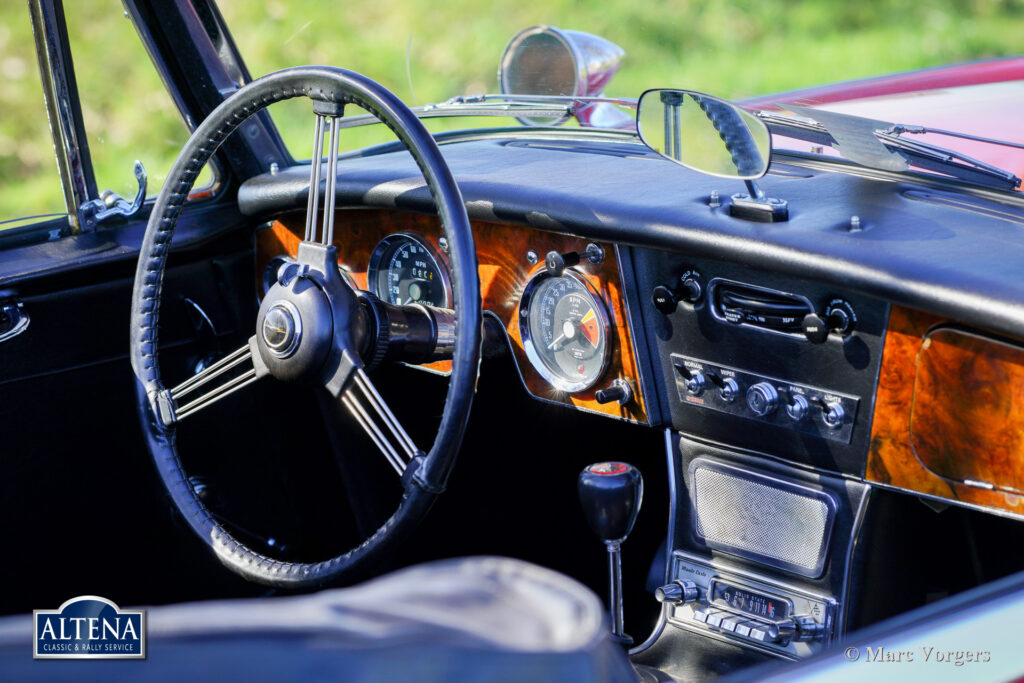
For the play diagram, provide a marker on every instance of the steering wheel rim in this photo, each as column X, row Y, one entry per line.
column 427, row 474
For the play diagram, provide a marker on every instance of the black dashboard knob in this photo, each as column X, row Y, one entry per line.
column 841, row 317
column 688, row 288
column 557, row 263
column 664, row 299
column 619, row 391
column 815, row 328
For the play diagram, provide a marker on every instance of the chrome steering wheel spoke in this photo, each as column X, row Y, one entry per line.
column 389, row 437
column 326, row 235
column 179, row 402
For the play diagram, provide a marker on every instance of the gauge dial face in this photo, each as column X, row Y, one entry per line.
column 404, row 269
column 565, row 331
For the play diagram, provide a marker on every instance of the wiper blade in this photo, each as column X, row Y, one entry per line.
column 918, row 154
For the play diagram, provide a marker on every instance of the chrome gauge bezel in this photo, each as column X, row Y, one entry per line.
column 373, row 269
column 600, row 309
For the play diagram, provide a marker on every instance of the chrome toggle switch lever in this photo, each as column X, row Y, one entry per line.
column 611, row 494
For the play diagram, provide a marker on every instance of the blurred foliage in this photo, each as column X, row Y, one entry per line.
column 427, row 51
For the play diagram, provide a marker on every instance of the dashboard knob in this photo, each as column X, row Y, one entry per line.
column 688, row 288
column 677, row 592
column 833, row 415
column 664, row 299
column 841, row 317
column 619, row 391
column 557, row 263
column 815, row 328
column 797, row 407
column 762, row 399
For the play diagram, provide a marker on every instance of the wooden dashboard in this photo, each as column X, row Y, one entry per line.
column 949, row 416
column 504, row 272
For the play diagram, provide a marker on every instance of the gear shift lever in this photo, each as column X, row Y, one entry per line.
column 611, row 494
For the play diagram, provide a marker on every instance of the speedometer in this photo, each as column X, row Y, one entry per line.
column 565, row 330
column 404, row 269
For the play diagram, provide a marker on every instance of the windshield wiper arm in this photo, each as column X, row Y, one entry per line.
column 532, row 106
column 919, row 154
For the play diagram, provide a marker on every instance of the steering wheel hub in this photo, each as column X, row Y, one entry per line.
column 295, row 330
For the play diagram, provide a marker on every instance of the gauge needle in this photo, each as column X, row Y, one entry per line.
column 555, row 343
column 568, row 333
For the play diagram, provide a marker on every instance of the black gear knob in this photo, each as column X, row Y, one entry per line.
column 611, row 494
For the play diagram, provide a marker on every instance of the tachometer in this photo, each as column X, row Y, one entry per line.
column 404, row 269
column 565, row 330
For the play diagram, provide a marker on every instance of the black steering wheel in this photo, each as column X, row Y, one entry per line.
column 312, row 326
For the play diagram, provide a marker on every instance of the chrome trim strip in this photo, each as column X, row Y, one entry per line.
column 673, row 487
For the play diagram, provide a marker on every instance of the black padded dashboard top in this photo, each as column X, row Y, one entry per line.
column 922, row 244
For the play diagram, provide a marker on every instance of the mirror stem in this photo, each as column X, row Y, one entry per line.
column 755, row 192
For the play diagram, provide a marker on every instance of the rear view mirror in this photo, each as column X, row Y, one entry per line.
column 704, row 133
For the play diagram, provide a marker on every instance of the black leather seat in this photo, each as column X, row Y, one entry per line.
column 473, row 619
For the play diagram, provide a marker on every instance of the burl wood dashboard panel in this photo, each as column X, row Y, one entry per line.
column 949, row 415
column 504, row 273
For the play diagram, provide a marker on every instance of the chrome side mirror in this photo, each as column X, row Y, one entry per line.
column 544, row 60
column 704, row 133
column 713, row 136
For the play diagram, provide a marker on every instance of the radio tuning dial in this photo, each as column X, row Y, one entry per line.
column 762, row 399
column 677, row 592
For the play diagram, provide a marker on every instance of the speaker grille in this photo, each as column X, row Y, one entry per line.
column 764, row 518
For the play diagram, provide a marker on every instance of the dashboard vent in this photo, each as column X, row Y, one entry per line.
column 769, row 309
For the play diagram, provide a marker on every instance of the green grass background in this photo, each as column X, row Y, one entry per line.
column 733, row 48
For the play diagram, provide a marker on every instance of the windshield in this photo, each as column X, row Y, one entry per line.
column 428, row 52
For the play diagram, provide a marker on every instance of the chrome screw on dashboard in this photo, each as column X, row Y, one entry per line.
column 532, row 257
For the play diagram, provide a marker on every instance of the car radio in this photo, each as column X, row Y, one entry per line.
column 740, row 607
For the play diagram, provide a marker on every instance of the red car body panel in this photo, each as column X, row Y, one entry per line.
column 980, row 98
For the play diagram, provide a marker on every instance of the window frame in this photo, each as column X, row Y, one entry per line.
column 179, row 38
